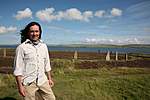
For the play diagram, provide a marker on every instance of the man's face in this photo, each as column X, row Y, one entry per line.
column 34, row 33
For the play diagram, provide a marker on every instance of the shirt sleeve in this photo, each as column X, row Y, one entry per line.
column 47, row 61
column 19, row 61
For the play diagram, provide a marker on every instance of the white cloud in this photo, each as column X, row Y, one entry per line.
column 49, row 14
column 91, row 40
column 73, row 13
column 133, row 41
column 60, row 15
column 112, row 41
column 99, row 41
column 10, row 29
column 116, row 12
column 99, row 13
column 46, row 14
column 27, row 13
column 87, row 15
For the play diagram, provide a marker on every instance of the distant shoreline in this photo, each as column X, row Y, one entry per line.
column 142, row 49
column 90, row 45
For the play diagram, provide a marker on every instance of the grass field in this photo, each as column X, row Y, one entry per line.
column 90, row 84
column 88, row 78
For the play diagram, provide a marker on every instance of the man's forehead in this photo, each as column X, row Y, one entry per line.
column 35, row 27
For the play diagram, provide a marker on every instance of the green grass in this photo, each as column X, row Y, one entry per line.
column 91, row 84
column 103, row 84
column 8, row 87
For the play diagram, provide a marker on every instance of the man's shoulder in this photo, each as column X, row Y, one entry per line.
column 43, row 43
column 22, row 45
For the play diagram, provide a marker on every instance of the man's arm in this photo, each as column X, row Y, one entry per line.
column 20, row 86
column 18, row 69
column 48, row 68
column 51, row 83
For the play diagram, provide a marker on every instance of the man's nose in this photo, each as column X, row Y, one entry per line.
column 34, row 32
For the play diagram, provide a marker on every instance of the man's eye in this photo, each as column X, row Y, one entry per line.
column 34, row 31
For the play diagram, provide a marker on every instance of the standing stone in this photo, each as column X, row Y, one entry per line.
column 75, row 55
column 4, row 52
column 108, row 56
column 116, row 56
column 126, row 57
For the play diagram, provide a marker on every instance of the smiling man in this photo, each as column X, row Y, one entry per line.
column 31, row 63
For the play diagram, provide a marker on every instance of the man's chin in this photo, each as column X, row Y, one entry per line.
column 34, row 40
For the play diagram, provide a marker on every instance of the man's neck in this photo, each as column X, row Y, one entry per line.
column 35, row 42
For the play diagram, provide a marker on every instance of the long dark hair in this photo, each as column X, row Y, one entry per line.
column 24, row 32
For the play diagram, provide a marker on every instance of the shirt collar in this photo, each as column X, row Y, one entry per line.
column 30, row 42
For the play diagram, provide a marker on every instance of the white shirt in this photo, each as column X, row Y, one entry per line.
column 31, row 62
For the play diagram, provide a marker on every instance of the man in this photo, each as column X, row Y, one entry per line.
column 32, row 65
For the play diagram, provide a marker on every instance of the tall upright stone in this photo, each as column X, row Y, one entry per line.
column 4, row 52
column 126, row 57
column 108, row 56
column 116, row 56
column 75, row 55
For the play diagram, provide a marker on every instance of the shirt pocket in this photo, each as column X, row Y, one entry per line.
column 30, row 69
column 42, row 59
column 29, row 56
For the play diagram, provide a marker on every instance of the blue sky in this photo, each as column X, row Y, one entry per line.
column 78, row 21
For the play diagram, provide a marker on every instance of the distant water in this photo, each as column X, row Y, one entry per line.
column 8, row 46
column 102, row 49
column 94, row 49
